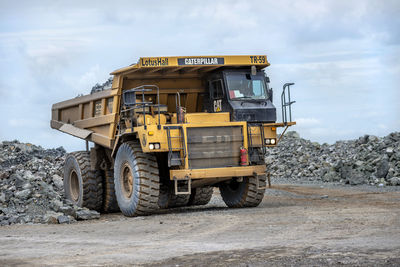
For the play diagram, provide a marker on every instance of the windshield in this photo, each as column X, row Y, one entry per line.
column 246, row 86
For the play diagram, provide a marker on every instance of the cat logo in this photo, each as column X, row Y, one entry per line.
column 217, row 105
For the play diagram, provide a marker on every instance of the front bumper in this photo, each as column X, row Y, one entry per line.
column 186, row 174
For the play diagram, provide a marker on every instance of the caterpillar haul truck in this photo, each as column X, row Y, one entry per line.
column 169, row 130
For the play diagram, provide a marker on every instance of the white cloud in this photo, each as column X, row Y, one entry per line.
column 307, row 122
column 19, row 123
column 382, row 126
column 90, row 78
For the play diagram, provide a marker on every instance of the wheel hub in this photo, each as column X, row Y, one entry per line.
column 234, row 185
column 74, row 185
column 127, row 180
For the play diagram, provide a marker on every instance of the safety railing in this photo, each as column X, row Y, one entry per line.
column 286, row 103
column 129, row 100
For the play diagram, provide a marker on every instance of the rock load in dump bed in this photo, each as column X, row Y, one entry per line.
column 31, row 186
column 100, row 87
column 367, row 160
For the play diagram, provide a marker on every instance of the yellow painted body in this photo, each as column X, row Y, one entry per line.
column 96, row 117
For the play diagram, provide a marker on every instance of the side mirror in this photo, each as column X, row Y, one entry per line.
column 267, row 79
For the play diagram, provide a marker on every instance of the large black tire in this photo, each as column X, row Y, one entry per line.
column 168, row 199
column 136, row 180
column 110, row 203
column 200, row 196
column 82, row 185
column 243, row 194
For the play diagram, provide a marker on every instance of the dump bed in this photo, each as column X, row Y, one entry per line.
column 95, row 118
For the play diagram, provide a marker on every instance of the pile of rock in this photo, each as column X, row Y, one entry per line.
column 31, row 187
column 100, row 87
column 368, row 160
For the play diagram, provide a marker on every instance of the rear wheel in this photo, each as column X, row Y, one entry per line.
column 110, row 203
column 168, row 199
column 243, row 194
column 136, row 179
column 200, row 196
column 82, row 185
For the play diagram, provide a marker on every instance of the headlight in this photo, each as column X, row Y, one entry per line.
column 154, row 146
column 270, row 141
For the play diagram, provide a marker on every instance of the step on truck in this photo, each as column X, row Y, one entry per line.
column 169, row 130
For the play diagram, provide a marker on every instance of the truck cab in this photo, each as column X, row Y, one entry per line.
column 245, row 95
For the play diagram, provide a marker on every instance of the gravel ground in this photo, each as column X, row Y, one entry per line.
column 319, row 183
column 298, row 225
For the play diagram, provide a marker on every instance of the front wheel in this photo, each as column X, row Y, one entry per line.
column 243, row 194
column 136, row 180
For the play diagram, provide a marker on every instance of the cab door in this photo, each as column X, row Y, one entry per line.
column 217, row 96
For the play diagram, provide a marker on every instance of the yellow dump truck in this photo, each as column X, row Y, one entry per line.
column 169, row 130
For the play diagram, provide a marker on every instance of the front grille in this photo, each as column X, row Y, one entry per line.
column 213, row 147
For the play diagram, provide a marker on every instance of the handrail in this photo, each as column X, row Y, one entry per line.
column 146, row 88
column 286, row 104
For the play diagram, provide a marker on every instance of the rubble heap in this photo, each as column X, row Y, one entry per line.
column 31, row 186
column 100, row 87
column 367, row 160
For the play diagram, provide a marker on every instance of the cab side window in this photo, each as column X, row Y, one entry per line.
column 218, row 91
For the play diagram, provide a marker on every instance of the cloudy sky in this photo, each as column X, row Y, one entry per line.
column 342, row 55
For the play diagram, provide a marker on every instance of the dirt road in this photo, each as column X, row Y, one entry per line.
column 295, row 225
